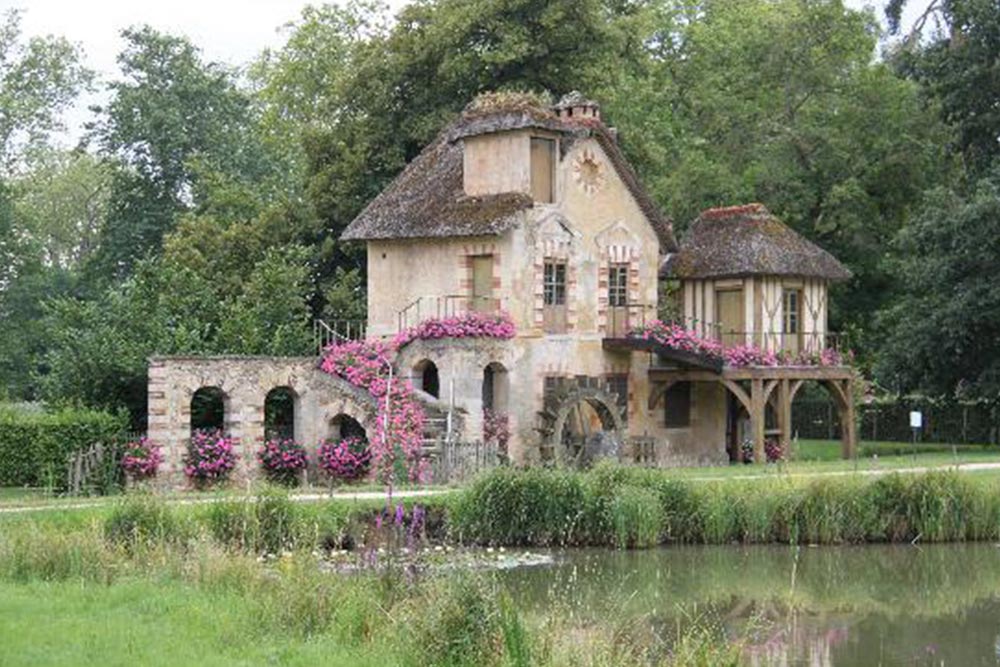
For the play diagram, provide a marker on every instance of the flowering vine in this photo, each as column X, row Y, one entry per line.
column 467, row 325
column 400, row 420
column 141, row 459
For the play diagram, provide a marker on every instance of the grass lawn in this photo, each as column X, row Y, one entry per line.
column 144, row 622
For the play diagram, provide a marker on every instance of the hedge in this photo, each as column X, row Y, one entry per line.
column 35, row 447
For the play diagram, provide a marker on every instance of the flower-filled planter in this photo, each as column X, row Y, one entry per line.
column 346, row 460
column 210, row 458
column 678, row 338
column 283, row 460
column 141, row 459
column 466, row 325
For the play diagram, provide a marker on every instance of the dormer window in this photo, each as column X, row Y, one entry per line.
column 543, row 166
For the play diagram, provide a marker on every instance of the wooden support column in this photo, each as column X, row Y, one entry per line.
column 785, row 416
column 757, row 412
column 848, row 427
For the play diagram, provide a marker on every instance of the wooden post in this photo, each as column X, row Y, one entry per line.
column 757, row 419
column 848, row 427
column 785, row 417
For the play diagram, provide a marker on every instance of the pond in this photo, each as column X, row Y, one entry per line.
column 841, row 606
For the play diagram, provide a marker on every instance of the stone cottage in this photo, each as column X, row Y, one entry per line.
column 534, row 212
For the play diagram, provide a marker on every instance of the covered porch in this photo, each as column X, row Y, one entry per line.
column 757, row 388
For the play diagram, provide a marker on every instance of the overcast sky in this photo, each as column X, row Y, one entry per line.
column 230, row 31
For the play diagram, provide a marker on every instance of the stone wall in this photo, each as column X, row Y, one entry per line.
column 245, row 383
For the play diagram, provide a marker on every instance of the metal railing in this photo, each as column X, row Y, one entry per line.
column 337, row 331
column 622, row 319
column 449, row 305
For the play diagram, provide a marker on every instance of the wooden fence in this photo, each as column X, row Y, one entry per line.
column 455, row 462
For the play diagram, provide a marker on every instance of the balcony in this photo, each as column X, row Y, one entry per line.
column 439, row 307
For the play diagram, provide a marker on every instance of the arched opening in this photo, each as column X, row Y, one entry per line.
column 208, row 410
column 428, row 379
column 279, row 414
column 345, row 426
column 495, row 387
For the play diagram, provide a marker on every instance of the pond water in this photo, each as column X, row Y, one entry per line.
column 842, row 606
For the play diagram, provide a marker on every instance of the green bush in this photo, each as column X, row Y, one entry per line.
column 35, row 447
column 536, row 506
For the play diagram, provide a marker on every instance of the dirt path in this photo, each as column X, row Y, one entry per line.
column 297, row 497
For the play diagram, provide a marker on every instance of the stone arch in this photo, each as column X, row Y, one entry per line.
column 209, row 409
column 427, row 377
column 281, row 413
column 343, row 425
column 566, row 405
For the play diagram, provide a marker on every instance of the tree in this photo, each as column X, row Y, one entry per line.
column 944, row 324
column 38, row 80
column 61, row 203
column 959, row 69
column 172, row 120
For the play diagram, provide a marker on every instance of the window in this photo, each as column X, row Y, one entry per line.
column 677, row 405
column 555, row 283
column 482, row 284
column 543, row 160
column 618, row 285
column 793, row 310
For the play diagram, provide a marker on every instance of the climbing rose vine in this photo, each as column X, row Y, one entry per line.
column 282, row 460
column 142, row 459
column 677, row 337
column 210, row 457
column 365, row 364
column 346, row 460
column 466, row 325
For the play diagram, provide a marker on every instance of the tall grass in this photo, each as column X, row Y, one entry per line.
column 630, row 508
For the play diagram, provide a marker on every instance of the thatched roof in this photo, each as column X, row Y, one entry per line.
column 427, row 199
column 745, row 241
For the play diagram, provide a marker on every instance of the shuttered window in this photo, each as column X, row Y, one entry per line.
column 543, row 162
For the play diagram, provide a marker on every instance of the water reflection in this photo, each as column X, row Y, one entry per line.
column 843, row 606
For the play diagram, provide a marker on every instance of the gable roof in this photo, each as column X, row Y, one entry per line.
column 748, row 240
column 427, row 199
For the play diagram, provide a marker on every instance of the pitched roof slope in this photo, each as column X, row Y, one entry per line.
column 748, row 240
column 427, row 199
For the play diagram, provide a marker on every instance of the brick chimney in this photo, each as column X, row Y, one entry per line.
column 574, row 106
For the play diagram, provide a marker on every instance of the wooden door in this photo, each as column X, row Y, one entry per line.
column 482, row 284
column 729, row 316
column 554, row 296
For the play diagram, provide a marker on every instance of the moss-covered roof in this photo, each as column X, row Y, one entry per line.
column 427, row 199
column 748, row 240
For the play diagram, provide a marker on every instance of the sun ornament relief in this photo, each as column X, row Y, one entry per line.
column 588, row 172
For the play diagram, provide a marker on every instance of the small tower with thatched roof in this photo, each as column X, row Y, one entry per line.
column 749, row 279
